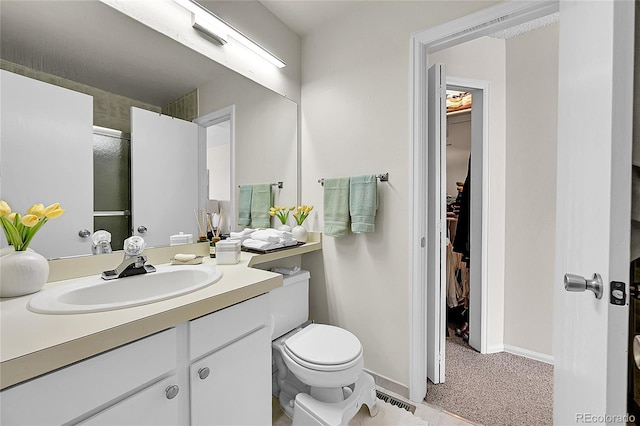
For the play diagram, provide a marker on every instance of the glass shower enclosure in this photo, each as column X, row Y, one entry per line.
column 112, row 183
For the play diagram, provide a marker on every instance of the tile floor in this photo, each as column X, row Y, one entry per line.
column 432, row 414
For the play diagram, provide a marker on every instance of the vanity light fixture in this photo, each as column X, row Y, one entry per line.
column 208, row 23
column 209, row 27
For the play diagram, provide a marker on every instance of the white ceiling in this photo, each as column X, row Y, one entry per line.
column 303, row 16
column 91, row 43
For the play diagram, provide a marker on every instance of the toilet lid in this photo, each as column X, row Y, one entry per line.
column 321, row 344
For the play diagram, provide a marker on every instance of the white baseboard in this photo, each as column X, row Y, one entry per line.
column 529, row 354
column 389, row 384
column 495, row 349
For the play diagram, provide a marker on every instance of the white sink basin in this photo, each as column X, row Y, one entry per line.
column 93, row 294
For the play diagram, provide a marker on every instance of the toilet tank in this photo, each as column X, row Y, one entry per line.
column 289, row 304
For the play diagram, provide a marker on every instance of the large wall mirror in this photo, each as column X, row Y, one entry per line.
column 89, row 47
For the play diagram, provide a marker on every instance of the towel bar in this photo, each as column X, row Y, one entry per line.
column 278, row 184
column 383, row 177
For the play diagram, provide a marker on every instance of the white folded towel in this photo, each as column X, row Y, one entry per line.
column 255, row 244
column 260, row 245
column 242, row 235
column 272, row 236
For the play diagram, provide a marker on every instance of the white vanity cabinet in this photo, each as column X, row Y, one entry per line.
column 156, row 405
column 117, row 379
column 214, row 370
column 231, row 373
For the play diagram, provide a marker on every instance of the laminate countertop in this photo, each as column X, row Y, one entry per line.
column 32, row 344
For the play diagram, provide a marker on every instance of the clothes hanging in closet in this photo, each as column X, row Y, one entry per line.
column 461, row 243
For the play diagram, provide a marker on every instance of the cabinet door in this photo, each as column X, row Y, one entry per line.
column 46, row 156
column 237, row 390
column 153, row 406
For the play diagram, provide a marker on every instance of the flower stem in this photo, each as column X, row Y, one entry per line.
column 32, row 232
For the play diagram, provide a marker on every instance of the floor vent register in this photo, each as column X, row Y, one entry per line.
column 393, row 401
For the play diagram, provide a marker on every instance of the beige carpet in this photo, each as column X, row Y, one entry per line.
column 387, row 415
column 494, row 389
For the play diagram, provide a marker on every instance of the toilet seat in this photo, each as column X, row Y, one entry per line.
column 322, row 347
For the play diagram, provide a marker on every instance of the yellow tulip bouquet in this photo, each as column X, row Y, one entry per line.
column 281, row 212
column 19, row 229
column 301, row 213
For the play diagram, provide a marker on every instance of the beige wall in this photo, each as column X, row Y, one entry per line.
column 265, row 134
column 355, row 120
column 532, row 82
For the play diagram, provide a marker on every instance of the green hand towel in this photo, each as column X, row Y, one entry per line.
column 261, row 202
column 336, row 207
column 363, row 203
column 244, row 205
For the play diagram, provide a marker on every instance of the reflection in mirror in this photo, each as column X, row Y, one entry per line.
column 218, row 160
column 263, row 144
column 219, row 175
column 112, row 184
column 121, row 63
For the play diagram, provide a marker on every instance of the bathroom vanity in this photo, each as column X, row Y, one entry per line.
column 201, row 358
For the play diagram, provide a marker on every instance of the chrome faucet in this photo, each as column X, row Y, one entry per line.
column 134, row 262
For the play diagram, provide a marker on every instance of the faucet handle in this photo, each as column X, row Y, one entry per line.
column 134, row 246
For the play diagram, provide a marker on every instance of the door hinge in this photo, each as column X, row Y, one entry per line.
column 423, row 242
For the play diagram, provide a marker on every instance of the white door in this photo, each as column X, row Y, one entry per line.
column 164, row 177
column 436, row 222
column 593, row 209
column 46, row 156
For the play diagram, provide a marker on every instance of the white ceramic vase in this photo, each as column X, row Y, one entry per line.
column 286, row 228
column 22, row 272
column 299, row 233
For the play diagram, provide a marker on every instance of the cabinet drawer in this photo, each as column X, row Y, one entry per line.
column 219, row 328
column 150, row 406
column 66, row 394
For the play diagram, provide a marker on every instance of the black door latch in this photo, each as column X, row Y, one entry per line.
column 617, row 292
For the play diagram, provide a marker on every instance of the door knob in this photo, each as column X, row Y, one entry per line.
column 84, row 233
column 573, row 282
column 636, row 350
column 142, row 229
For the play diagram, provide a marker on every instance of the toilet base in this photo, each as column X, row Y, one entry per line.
column 310, row 411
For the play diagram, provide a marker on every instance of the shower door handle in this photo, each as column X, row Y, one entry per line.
column 573, row 282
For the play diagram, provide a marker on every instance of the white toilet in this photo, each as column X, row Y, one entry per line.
column 318, row 374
